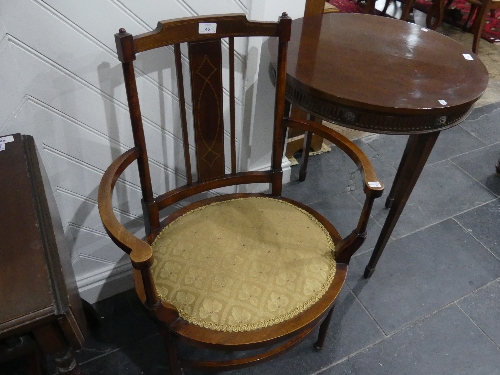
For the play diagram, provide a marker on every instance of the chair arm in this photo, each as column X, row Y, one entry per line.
column 372, row 187
column 141, row 253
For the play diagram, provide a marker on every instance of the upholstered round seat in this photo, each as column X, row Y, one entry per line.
column 243, row 264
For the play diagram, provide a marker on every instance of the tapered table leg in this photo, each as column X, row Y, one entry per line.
column 305, row 156
column 404, row 160
column 418, row 149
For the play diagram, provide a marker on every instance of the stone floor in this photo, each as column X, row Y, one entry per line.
column 431, row 307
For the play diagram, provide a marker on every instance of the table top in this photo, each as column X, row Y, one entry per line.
column 37, row 283
column 24, row 284
column 379, row 74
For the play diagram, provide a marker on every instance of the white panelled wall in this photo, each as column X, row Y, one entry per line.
column 60, row 81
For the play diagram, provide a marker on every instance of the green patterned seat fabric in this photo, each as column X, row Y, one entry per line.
column 243, row 264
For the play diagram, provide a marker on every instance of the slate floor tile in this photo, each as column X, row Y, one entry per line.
column 123, row 321
column 486, row 127
column 483, row 307
column 446, row 343
column 328, row 174
column 385, row 167
column 478, row 112
column 483, row 223
column 343, row 212
column 145, row 356
column 389, row 148
column 442, row 191
column 480, row 164
column 351, row 329
column 421, row 273
column 452, row 142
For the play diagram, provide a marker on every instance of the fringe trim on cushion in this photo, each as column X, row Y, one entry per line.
column 280, row 318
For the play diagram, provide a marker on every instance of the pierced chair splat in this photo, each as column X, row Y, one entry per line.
column 238, row 271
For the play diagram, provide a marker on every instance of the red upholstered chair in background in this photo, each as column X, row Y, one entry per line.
column 238, row 271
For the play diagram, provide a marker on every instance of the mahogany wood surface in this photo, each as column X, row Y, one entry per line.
column 314, row 7
column 205, row 72
column 206, row 81
column 381, row 75
column 38, row 294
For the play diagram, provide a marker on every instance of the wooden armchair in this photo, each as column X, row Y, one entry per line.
column 238, row 271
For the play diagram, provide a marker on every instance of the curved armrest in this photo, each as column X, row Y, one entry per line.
column 372, row 187
column 141, row 253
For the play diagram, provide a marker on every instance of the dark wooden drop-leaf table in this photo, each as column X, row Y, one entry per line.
column 381, row 75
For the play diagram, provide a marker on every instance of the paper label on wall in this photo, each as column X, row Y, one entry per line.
column 6, row 139
column 467, row 56
column 374, row 184
column 207, row 28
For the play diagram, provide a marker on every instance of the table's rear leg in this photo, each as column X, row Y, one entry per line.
column 390, row 197
column 418, row 149
column 305, row 156
column 306, row 149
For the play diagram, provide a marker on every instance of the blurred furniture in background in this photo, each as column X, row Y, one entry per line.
column 41, row 310
column 480, row 9
column 434, row 15
column 235, row 272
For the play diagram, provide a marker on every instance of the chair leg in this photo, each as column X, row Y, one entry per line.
column 479, row 24
column 467, row 23
column 407, row 7
column 386, row 6
column 323, row 329
column 171, row 349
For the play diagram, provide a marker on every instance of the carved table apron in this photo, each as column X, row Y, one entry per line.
column 382, row 75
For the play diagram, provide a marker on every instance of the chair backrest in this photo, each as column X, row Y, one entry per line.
column 203, row 36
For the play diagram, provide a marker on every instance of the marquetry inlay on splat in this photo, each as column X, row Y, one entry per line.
column 206, row 82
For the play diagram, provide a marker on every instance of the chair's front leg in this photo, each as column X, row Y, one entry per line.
column 323, row 329
column 171, row 349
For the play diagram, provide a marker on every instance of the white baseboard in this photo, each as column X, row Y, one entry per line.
column 107, row 282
